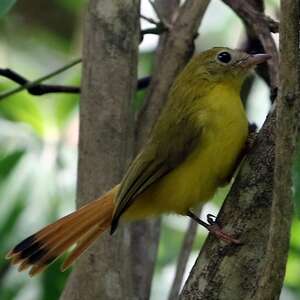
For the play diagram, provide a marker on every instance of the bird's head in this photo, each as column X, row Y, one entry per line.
column 224, row 64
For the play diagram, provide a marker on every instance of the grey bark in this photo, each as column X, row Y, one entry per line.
column 145, row 234
column 110, row 52
column 252, row 15
column 174, row 52
column 287, row 125
column 169, row 60
column 258, row 208
column 183, row 257
column 232, row 272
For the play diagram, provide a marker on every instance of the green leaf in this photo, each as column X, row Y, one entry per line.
column 10, row 293
column 64, row 107
column 71, row 5
column 53, row 281
column 22, row 108
column 12, row 216
column 5, row 6
column 292, row 279
column 8, row 162
column 138, row 100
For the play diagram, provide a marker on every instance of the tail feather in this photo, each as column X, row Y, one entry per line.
column 81, row 245
column 79, row 228
column 52, row 249
column 60, row 245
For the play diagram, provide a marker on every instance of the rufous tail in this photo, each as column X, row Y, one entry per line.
column 78, row 229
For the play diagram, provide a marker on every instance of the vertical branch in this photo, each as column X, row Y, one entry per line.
column 184, row 254
column 110, row 52
column 174, row 50
column 145, row 234
column 230, row 272
column 287, row 123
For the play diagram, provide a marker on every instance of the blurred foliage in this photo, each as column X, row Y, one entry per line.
column 38, row 148
column 5, row 6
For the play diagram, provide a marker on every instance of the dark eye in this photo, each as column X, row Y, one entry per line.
column 224, row 57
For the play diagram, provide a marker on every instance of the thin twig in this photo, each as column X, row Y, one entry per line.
column 253, row 44
column 260, row 25
column 39, row 80
column 160, row 16
column 186, row 24
column 248, row 14
column 42, row 89
column 38, row 89
column 158, row 29
column 185, row 251
column 143, row 83
column 155, row 30
column 150, row 20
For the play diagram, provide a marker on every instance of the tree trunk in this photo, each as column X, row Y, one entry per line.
column 287, row 124
column 145, row 234
column 110, row 53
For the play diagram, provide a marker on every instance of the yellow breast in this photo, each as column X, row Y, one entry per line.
column 224, row 134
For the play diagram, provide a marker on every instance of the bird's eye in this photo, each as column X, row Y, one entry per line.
column 224, row 57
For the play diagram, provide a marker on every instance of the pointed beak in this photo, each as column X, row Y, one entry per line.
column 255, row 59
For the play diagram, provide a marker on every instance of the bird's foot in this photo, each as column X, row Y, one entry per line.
column 214, row 228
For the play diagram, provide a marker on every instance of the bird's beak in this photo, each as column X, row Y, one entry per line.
column 255, row 59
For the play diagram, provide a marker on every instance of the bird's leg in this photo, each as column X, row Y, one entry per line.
column 213, row 227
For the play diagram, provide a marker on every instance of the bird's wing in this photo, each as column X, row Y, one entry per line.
column 159, row 157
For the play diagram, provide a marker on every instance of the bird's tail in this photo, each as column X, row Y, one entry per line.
column 78, row 229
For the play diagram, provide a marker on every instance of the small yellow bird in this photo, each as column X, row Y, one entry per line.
column 193, row 149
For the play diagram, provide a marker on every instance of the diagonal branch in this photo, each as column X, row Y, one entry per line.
column 253, row 43
column 162, row 19
column 174, row 50
column 232, row 272
column 38, row 89
column 31, row 84
column 185, row 251
column 287, row 125
column 173, row 53
column 248, row 13
column 260, row 25
column 42, row 89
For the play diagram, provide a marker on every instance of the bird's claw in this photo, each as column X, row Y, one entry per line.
column 211, row 219
column 215, row 229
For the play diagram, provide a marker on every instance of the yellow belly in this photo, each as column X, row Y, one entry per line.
column 191, row 183
column 197, row 178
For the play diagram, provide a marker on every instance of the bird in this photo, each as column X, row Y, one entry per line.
column 194, row 148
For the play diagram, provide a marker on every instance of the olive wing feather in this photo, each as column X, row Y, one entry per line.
column 160, row 155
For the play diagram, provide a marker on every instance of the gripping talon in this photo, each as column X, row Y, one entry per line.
column 213, row 227
column 211, row 219
column 220, row 234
